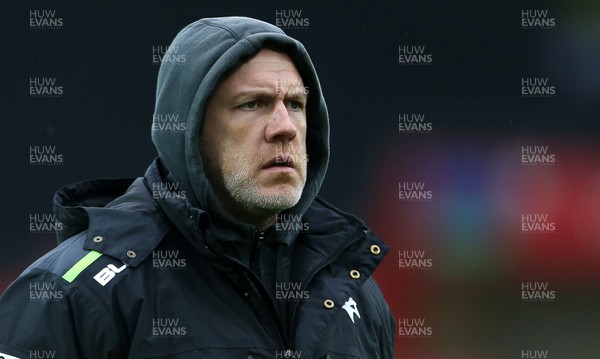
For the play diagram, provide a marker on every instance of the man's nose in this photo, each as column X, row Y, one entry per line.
column 280, row 127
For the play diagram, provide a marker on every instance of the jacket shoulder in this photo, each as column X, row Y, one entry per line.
column 68, row 263
column 61, row 259
column 54, row 294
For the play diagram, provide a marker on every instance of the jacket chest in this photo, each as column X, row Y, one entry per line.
column 197, row 310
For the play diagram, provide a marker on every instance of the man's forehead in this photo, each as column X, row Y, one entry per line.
column 269, row 64
column 268, row 70
column 265, row 74
column 267, row 60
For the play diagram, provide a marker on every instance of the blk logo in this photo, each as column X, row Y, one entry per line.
column 108, row 273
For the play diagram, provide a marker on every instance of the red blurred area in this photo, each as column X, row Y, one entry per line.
column 471, row 231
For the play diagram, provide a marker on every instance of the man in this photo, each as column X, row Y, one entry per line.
column 222, row 249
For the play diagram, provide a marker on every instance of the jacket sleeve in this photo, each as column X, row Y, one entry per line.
column 42, row 315
column 387, row 325
column 387, row 336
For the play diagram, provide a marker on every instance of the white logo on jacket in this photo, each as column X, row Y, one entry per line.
column 108, row 273
column 351, row 308
column 7, row 356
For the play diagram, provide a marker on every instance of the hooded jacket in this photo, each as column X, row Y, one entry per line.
column 153, row 267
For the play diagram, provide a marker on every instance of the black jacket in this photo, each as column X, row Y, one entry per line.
column 134, row 284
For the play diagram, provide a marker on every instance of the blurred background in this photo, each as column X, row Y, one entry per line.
column 466, row 134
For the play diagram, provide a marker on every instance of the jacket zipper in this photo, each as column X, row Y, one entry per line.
column 276, row 322
column 254, row 260
column 270, row 307
column 358, row 235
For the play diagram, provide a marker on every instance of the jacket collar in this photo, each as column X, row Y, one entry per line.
column 336, row 236
column 121, row 218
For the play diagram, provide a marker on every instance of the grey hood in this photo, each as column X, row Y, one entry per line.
column 199, row 57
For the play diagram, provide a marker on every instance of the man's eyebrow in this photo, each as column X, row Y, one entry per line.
column 297, row 92
column 253, row 92
column 297, row 95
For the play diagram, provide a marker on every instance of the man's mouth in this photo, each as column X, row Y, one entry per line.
column 280, row 162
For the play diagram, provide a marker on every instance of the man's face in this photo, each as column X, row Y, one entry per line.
column 254, row 137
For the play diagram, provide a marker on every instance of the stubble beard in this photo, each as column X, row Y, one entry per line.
column 238, row 178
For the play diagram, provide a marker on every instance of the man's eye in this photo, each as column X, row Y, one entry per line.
column 249, row 105
column 296, row 105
